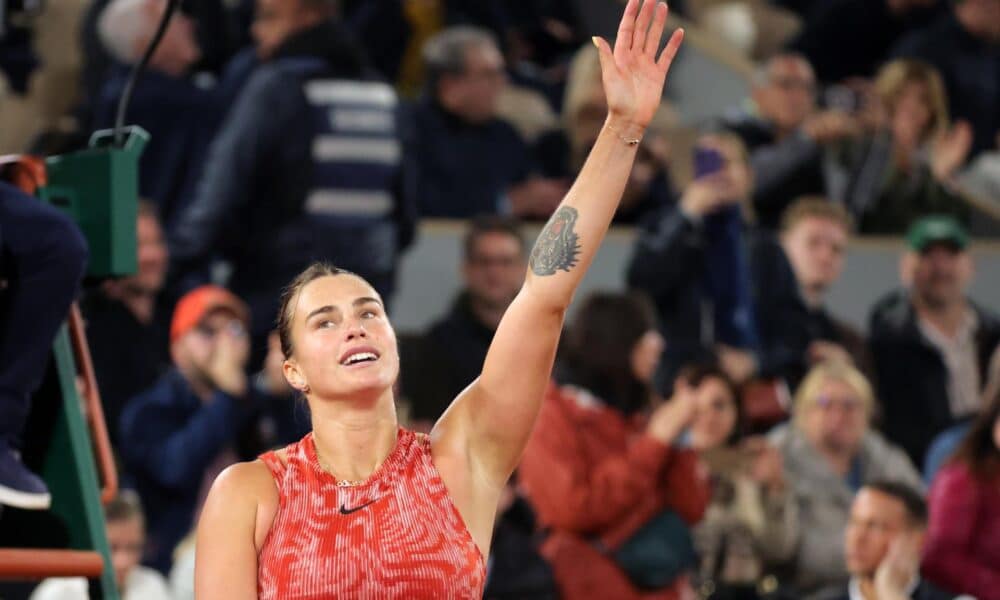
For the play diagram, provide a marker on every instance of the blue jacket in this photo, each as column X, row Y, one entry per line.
column 287, row 181
column 169, row 438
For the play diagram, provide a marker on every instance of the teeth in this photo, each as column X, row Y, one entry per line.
column 355, row 358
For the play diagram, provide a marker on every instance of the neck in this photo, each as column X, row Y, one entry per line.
column 201, row 388
column 946, row 317
column 813, row 296
column 354, row 437
column 838, row 459
column 486, row 313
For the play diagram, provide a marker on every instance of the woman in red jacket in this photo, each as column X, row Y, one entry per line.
column 600, row 466
column 963, row 545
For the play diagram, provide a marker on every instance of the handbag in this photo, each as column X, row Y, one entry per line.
column 658, row 553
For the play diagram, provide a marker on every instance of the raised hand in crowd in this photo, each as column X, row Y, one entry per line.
column 673, row 416
column 739, row 364
column 225, row 363
column 831, row 126
column 537, row 197
column 950, row 149
column 825, row 351
column 708, row 194
column 766, row 465
column 898, row 568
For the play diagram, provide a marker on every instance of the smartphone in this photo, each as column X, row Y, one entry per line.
column 707, row 161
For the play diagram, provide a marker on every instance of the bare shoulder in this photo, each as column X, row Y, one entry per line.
column 243, row 498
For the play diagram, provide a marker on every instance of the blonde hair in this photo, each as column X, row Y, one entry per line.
column 817, row 207
column 808, row 391
column 892, row 79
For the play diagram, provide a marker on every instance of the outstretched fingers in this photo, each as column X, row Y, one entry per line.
column 656, row 31
column 623, row 43
column 670, row 51
column 642, row 26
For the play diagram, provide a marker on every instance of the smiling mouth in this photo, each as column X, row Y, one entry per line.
column 359, row 358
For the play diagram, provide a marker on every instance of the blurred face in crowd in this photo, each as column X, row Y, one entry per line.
column 789, row 94
column 336, row 319
column 646, row 354
column 126, row 538
column 980, row 17
column 876, row 521
column 194, row 350
column 941, row 274
column 474, row 93
column 178, row 49
column 715, row 415
column 152, row 256
column 815, row 247
column 494, row 271
column 911, row 114
column 277, row 20
column 836, row 419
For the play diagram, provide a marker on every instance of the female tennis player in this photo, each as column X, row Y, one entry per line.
column 362, row 508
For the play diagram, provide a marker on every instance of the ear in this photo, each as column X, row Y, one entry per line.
column 293, row 375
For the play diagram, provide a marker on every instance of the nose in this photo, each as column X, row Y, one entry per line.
column 356, row 329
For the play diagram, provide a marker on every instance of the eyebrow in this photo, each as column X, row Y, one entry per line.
column 330, row 308
column 323, row 309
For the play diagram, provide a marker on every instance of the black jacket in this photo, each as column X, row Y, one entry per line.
column 668, row 263
column 444, row 360
column 911, row 376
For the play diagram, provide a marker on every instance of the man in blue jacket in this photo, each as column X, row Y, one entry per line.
column 179, row 434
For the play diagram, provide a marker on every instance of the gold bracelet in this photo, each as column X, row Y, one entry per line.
column 628, row 141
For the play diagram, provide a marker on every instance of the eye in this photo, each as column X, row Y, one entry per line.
column 368, row 314
column 325, row 324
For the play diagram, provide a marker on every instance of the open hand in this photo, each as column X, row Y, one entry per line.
column 674, row 416
column 898, row 568
column 228, row 359
column 632, row 74
column 950, row 149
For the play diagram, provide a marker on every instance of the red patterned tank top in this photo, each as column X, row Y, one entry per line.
column 398, row 535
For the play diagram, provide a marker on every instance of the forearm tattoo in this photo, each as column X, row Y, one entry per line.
column 558, row 245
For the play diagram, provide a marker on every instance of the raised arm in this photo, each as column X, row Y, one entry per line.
column 492, row 419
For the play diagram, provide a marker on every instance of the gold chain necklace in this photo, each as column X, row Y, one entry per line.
column 340, row 482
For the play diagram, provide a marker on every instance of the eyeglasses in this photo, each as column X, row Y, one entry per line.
column 234, row 327
column 848, row 404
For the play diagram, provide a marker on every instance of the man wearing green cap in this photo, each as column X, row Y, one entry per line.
column 931, row 344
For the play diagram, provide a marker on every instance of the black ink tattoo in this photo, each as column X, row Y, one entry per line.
column 558, row 245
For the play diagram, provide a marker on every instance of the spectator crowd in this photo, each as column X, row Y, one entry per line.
column 714, row 429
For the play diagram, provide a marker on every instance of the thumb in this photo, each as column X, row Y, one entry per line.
column 604, row 52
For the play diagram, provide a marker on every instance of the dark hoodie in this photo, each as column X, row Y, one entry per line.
column 260, row 170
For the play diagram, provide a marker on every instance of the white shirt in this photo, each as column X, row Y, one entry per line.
column 962, row 361
column 142, row 583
